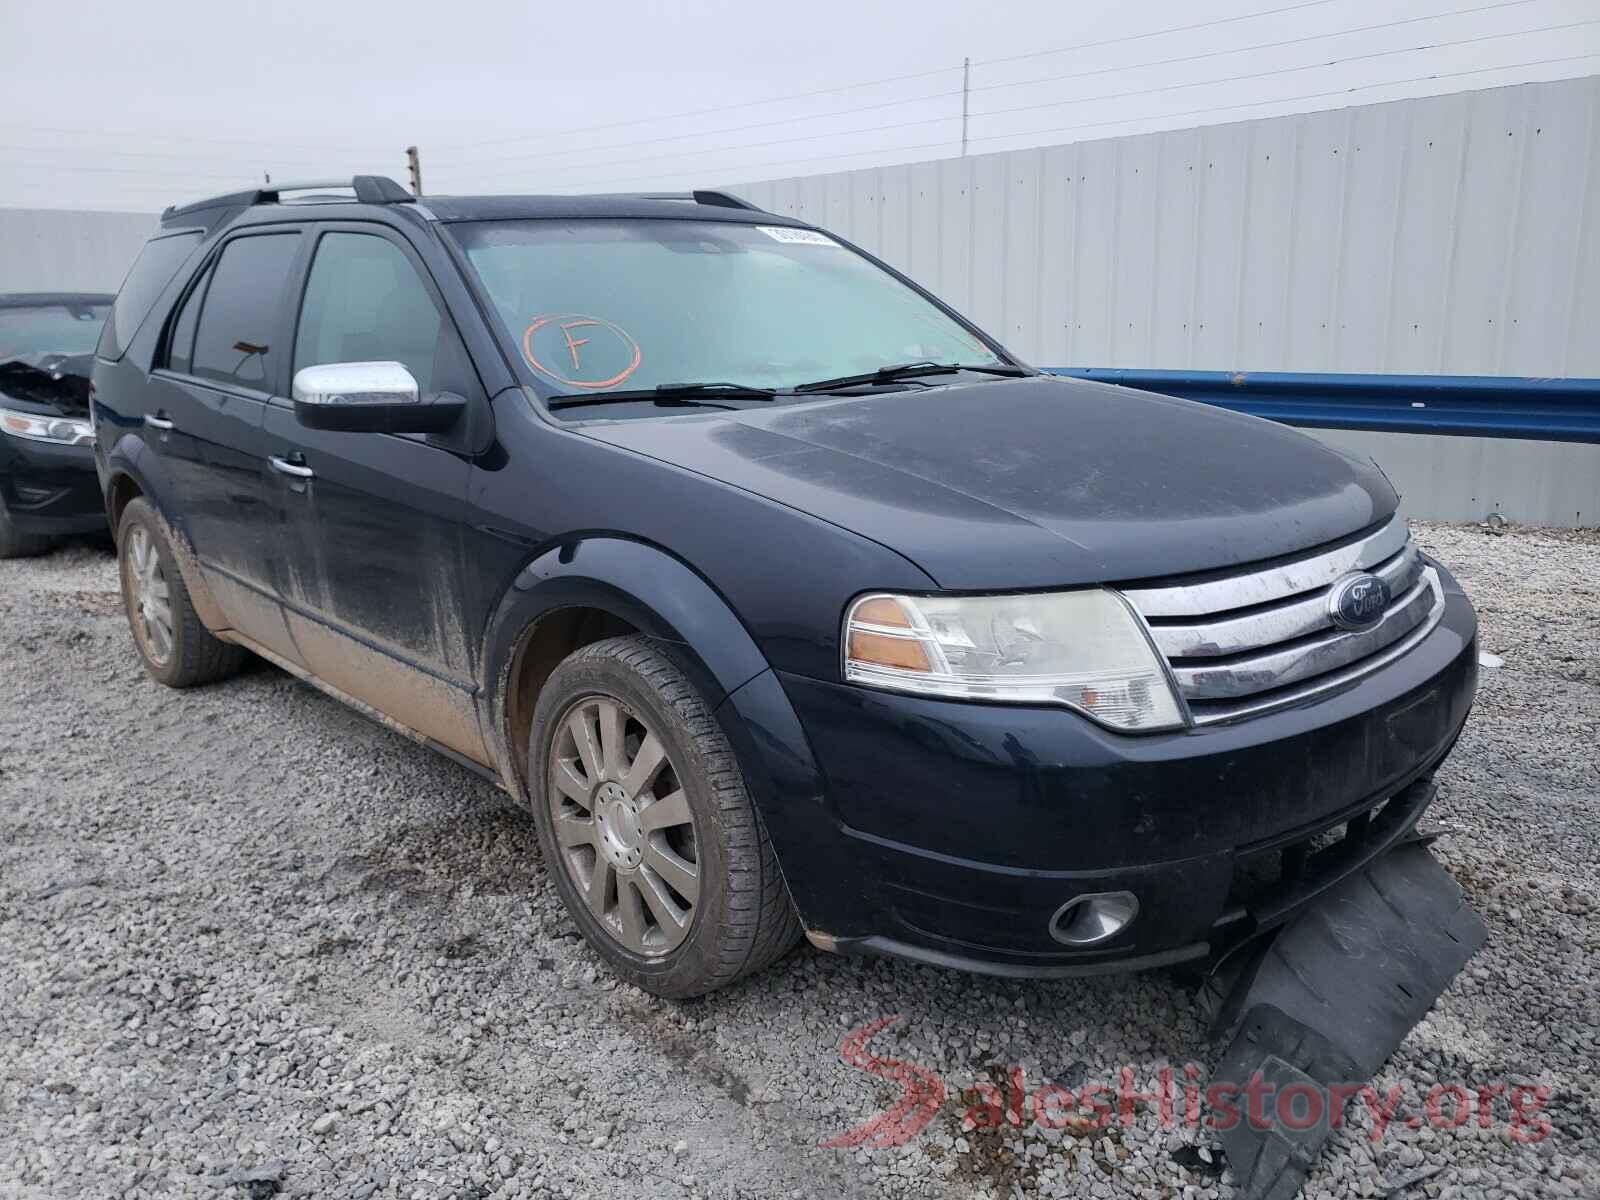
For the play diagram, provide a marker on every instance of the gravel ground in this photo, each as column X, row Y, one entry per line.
column 252, row 944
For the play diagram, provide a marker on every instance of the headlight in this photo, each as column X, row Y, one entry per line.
column 60, row 430
column 1083, row 649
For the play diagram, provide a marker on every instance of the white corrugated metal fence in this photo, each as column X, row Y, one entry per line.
column 1453, row 235
column 1447, row 235
column 51, row 250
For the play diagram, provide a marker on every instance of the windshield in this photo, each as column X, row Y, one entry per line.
column 34, row 332
column 614, row 305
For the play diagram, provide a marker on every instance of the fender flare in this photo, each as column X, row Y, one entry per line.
column 133, row 457
column 664, row 598
column 634, row 581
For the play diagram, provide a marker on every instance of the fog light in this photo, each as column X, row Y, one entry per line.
column 1091, row 919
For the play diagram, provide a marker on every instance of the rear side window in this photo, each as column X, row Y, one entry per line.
column 364, row 302
column 239, row 318
column 181, row 349
column 157, row 263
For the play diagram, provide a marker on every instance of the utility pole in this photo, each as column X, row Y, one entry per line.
column 966, row 93
column 414, row 165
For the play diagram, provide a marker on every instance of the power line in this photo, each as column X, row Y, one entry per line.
column 1538, row 62
column 1294, row 41
column 146, row 134
column 336, row 151
column 1164, row 62
column 847, row 87
column 244, row 178
column 1134, row 37
column 250, row 171
column 1205, row 111
column 701, row 112
column 170, row 193
column 23, row 166
column 1072, row 101
column 254, row 165
column 678, row 137
column 1471, row 41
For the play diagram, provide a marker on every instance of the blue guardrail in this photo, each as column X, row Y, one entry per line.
column 1556, row 410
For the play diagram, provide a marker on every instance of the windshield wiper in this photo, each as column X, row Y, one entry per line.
column 911, row 370
column 671, row 395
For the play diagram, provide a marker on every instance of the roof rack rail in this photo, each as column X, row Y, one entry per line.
column 723, row 200
column 702, row 196
column 369, row 189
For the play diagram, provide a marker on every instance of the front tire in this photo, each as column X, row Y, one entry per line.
column 19, row 545
column 175, row 647
column 647, row 825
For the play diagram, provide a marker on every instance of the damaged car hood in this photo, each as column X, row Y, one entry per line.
column 56, row 384
column 1033, row 482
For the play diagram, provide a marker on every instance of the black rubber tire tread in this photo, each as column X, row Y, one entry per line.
column 751, row 921
column 198, row 657
column 20, row 545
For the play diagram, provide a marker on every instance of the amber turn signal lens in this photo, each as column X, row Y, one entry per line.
column 883, row 651
column 881, row 610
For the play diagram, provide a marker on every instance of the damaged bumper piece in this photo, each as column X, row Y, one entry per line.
column 1324, row 1002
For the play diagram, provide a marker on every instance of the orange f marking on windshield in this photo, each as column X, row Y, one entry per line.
column 572, row 342
column 567, row 323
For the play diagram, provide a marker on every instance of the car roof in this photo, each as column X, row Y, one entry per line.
column 44, row 299
column 511, row 208
column 313, row 201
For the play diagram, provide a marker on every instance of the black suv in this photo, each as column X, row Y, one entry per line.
column 787, row 599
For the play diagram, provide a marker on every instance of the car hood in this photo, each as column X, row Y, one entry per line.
column 1033, row 482
column 57, row 384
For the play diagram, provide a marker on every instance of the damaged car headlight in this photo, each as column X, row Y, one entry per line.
column 63, row 431
column 1083, row 649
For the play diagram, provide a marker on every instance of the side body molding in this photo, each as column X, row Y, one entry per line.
column 658, row 594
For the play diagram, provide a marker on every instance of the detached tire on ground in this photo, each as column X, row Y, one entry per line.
column 176, row 648
column 19, row 545
column 648, row 827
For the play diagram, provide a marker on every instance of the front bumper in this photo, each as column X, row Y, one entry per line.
column 49, row 489
column 959, row 830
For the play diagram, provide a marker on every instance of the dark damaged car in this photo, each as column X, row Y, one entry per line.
column 48, row 487
column 788, row 600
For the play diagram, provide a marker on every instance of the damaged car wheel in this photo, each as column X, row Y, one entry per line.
column 648, row 827
column 177, row 649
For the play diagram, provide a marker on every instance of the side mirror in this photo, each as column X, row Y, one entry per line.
column 371, row 397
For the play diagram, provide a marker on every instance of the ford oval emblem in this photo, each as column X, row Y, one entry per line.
column 1358, row 601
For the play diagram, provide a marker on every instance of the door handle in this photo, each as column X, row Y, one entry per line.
column 294, row 470
column 158, row 421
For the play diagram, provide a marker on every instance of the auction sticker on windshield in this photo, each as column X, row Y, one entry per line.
column 796, row 237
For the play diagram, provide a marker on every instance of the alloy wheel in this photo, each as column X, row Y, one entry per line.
column 151, row 599
column 623, row 824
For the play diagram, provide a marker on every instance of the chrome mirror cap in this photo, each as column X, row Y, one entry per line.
column 356, row 383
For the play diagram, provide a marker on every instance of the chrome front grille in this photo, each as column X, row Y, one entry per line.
column 1241, row 643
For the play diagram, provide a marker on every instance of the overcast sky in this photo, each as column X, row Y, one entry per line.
column 138, row 105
